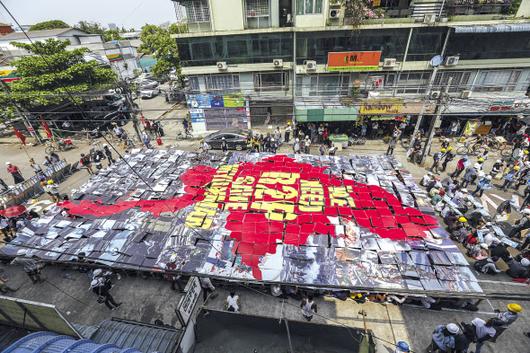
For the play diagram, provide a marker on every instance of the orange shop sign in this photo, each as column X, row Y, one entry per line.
column 354, row 60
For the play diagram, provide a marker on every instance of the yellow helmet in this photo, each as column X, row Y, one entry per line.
column 462, row 219
column 444, row 150
column 525, row 151
column 50, row 182
column 450, row 148
column 516, row 168
column 480, row 160
column 514, row 308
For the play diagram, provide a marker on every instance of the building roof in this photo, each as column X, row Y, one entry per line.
column 36, row 34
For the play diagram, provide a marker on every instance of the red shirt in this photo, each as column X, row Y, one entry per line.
column 12, row 169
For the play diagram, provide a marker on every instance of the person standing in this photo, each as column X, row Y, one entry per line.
column 36, row 167
column 232, row 302
column 101, row 286
column 31, row 267
column 86, row 163
column 460, row 166
column 437, row 157
column 521, row 224
column 483, row 184
column 173, row 277
column 287, row 133
column 322, row 150
column 108, row 154
column 509, row 178
column 296, row 146
column 15, row 172
column 207, row 287
column 309, row 308
column 53, row 190
column 449, row 156
column 146, row 140
column 224, row 145
column 391, row 146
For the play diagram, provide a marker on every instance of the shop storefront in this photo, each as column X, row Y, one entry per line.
column 214, row 112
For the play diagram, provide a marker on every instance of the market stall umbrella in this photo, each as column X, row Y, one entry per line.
column 14, row 211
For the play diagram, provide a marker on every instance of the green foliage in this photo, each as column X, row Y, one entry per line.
column 52, row 24
column 49, row 76
column 157, row 41
column 96, row 28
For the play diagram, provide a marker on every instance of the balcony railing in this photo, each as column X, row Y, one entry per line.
column 477, row 7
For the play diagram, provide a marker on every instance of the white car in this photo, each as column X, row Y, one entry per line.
column 149, row 93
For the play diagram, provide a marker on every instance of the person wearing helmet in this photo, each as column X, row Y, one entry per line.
column 101, row 287
column 402, row 347
column 484, row 183
column 443, row 338
column 448, row 157
column 52, row 189
column 496, row 168
column 509, row 178
column 483, row 331
column 224, row 145
column 504, row 319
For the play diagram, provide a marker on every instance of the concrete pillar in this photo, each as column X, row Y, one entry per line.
column 275, row 13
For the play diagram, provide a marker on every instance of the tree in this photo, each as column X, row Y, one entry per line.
column 54, row 73
column 52, row 24
column 157, row 41
column 112, row 34
column 90, row 27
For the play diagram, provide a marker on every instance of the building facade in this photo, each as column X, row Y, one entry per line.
column 120, row 55
column 316, row 60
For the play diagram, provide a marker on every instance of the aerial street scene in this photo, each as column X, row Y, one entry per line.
column 265, row 176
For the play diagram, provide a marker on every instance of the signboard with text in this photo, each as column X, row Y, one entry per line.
column 381, row 106
column 188, row 301
column 354, row 60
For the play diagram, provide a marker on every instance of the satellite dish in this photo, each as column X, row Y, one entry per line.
column 436, row 61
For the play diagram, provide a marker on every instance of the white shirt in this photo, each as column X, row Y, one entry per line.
column 232, row 302
column 481, row 329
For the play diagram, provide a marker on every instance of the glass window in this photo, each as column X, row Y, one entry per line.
column 257, row 13
column 329, row 85
column 460, row 80
column 236, row 49
column 193, row 82
column 426, row 43
column 413, row 82
column 271, row 81
column 497, row 80
column 476, row 46
column 197, row 10
column 308, row 7
column 225, row 83
column 316, row 45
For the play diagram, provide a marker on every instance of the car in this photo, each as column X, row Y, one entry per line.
column 236, row 139
column 149, row 93
column 147, row 84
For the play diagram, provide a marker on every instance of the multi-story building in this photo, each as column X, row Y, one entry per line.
column 259, row 62
column 120, row 55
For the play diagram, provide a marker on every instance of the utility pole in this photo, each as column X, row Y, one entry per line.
column 434, row 122
column 126, row 91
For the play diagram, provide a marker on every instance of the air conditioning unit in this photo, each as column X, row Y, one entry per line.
column 277, row 63
column 465, row 94
column 389, row 63
column 222, row 66
column 451, row 60
column 435, row 94
column 334, row 14
column 310, row 65
column 429, row 18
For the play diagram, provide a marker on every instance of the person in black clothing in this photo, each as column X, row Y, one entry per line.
column 224, row 145
column 108, row 154
column 449, row 156
column 499, row 250
column 521, row 224
column 86, row 163
column 101, row 287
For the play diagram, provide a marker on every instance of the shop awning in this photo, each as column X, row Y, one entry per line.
column 317, row 114
column 499, row 28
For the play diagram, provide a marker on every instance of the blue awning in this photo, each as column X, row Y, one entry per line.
column 499, row 28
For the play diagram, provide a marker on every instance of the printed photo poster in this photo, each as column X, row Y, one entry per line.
column 356, row 222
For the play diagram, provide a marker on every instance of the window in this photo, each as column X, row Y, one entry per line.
column 329, row 85
column 225, row 83
column 477, row 46
column 237, row 48
column 308, row 7
column 201, row 50
column 271, row 81
column 197, row 10
column 426, row 43
column 460, row 80
column 497, row 81
column 193, row 83
column 413, row 82
column 257, row 13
